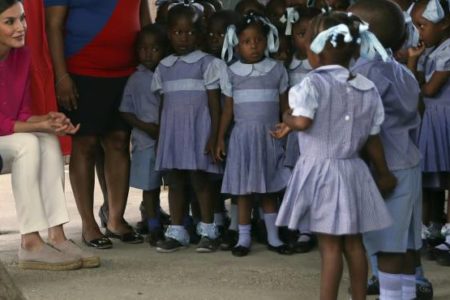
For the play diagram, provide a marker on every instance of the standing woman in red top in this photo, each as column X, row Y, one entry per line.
column 92, row 47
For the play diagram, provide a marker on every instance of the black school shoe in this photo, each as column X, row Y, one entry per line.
column 373, row 286
column 169, row 245
column 283, row 249
column 155, row 236
column 240, row 251
column 424, row 291
column 229, row 239
column 305, row 246
column 443, row 258
column 207, row 245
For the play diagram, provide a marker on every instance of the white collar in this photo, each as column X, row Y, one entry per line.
column 342, row 74
column 189, row 58
column 295, row 63
column 142, row 68
column 263, row 67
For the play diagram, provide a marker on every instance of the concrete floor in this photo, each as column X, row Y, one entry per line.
column 138, row 272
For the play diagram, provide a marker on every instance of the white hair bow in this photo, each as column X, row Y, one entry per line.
column 369, row 44
column 189, row 3
column 290, row 17
column 273, row 41
column 229, row 42
column 434, row 12
column 331, row 34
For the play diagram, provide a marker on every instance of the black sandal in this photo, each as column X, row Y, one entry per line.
column 130, row 237
column 100, row 243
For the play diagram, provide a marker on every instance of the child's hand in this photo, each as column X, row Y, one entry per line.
column 220, row 150
column 281, row 130
column 209, row 149
column 416, row 52
column 386, row 183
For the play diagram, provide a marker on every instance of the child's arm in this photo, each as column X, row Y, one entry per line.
column 214, row 111
column 299, row 123
column 151, row 129
column 433, row 86
column 373, row 150
column 225, row 121
column 413, row 58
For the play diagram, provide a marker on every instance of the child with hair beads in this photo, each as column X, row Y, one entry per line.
column 188, row 81
column 256, row 89
column 397, row 246
column 244, row 7
column 298, row 69
column 432, row 69
column 140, row 108
column 332, row 192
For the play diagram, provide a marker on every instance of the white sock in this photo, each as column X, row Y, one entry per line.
column 272, row 230
column 218, row 219
column 390, row 286
column 408, row 287
column 245, row 238
column 304, row 236
column 233, row 217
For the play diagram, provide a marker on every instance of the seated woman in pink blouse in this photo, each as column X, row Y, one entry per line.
column 30, row 150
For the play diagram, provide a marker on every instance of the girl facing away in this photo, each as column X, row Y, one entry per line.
column 188, row 82
column 332, row 192
column 255, row 93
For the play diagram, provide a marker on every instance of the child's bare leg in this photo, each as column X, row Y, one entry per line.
column 176, row 196
column 151, row 203
column 357, row 265
column 203, row 190
column 331, row 249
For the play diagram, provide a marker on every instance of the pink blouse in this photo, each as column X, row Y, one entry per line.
column 15, row 96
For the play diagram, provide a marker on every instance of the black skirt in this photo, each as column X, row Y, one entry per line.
column 98, row 105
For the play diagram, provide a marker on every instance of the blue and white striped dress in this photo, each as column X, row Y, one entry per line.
column 434, row 138
column 298, row 70
column 185, row 124
column 254, row 157
column 331, row 190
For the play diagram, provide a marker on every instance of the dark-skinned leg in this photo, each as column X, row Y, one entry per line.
column 331, row 249
column 203, row 191
column 357, row 265
column 177, row 202
column 117, row 173
column 81, row 171
column 100, row 170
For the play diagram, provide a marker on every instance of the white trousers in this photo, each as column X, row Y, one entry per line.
column 37, row 174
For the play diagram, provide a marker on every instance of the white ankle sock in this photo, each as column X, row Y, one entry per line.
column 390, row 286
column 305, row 236
column 233, row 217
column 408, row 287
column 245, row 238
column 218, row 219
column 272, row 230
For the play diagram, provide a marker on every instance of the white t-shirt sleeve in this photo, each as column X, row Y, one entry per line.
column 304, row 99
column 156, row 85
column 213, row 73
column 378, row 118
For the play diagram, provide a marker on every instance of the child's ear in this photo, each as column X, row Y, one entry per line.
column 445, row 24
